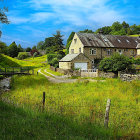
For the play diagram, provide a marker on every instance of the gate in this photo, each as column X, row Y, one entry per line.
column 89, row 73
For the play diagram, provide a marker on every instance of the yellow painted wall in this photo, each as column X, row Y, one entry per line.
column 138, row 51
column 65, row 65
column 76, row 45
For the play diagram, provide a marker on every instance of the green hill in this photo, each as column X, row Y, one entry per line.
column 6, row 61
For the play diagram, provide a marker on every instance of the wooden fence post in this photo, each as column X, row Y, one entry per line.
column 43, row 101
column 107, row 113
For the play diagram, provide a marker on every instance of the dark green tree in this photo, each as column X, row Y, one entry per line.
column 28, row 49
column 49, row 42
column 20, row 49
column 58, row 41
column 86, row 31
column 13, row 50
column 3, row 48
column 34, row 48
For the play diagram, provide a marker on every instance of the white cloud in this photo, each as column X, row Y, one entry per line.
column 79, row 12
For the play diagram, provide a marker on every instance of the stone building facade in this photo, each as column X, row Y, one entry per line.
column 97, row 46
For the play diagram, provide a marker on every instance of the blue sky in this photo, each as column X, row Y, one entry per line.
column 34, row 20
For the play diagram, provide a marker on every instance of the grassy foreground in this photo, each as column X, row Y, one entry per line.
column 82, row 102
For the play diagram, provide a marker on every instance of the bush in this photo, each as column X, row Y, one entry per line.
column 137, row 61
column 22, row 55
column 55, row 62
column 50, row 57
column 115, row 63
column 34, row 51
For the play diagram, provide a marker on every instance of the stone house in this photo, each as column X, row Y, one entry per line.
column 95, row 47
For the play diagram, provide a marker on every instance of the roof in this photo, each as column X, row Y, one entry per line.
column 138, row 46
column 110, row 41
column 69, row 57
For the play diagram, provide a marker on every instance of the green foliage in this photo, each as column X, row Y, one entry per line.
column 12, row 50
column 115, row 63
column 34, row 48
column 86, row 31
column 68, row 46
column 20, row 49
column 40, row 45
column 54, row 62
column 50, row 57
column 105, row 30
column 49, row 42
column 3, row 48
column 70, row 37
column 28, row 49
column 22, row 55
column 58, row 41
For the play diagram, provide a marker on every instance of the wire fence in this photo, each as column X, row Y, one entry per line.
column 119, row 116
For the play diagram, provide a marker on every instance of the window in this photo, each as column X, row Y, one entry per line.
column 108, row 51
column 119, row 40
column 128, row 41
column 79, row 50
column 75, row 40
column 72, row 51
column 120, row 51
column 132, row 52
column 125, row 50
column 92, row 51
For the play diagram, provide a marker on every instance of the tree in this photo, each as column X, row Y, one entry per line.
column 34, row 47
column 13, row 50
column 115, row 63
column 70, row 37
column 40, row 45
column 20, row 49
column 58, row 41
column 28, row 49
column 3, row 16
column 86, row 31
column 105, row 30
column 49, row 42
column 3, row 47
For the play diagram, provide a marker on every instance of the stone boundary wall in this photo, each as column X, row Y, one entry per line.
column 106, row 74
column 128, row 77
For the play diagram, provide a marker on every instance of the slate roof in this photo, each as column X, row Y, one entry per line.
column 110, row 41
column 69, row 57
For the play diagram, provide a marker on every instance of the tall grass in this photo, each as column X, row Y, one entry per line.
column 82, row 101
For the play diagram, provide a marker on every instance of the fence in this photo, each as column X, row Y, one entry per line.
column 109, row 114
column 15, row 70
column 89, row 73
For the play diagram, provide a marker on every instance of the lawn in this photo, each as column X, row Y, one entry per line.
column 72, row 110
column 83, row 102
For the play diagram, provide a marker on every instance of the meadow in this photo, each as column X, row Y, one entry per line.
column 72, row 110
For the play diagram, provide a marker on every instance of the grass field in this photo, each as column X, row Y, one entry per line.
column 72, row 110
column 82, row 101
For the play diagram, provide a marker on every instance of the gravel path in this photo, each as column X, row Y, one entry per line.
column 57, row 79
column 64, row 78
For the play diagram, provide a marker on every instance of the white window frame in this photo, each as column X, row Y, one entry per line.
column 93, row 51
column 108, row 51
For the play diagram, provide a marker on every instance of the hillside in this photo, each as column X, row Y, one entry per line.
column 6, row 61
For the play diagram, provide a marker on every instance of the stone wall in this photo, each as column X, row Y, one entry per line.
column 106, row 74
column 128, row 77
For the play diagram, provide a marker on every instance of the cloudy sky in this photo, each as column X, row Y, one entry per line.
column 32, row 21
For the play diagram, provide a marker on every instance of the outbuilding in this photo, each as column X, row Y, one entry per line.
column 75, row 61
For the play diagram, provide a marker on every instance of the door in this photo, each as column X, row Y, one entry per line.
column 82, row 66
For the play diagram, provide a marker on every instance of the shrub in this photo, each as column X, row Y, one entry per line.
column 50, row 57
column 115, row 63
column 33, row 51
column 22, row 55
column 55, row 62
